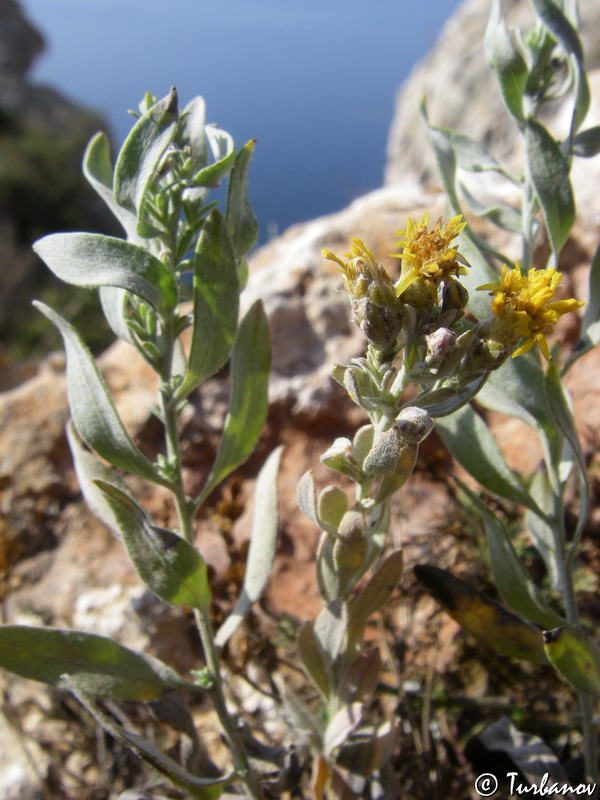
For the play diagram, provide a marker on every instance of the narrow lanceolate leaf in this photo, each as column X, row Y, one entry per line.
column 194, row 786
column 507, row 61
column 564, row 32
column 97, row 168
column 518, row 390
column 330, row 629
column 563, row 416
column 250, row 364
column 193, row 118
column 93, row 260
column 313, row 660
column 576, row 656
column 92, row 409
column 93, row 664
column 241, row 221
column 114, row 307
column 513, row 582
column 487, row 621
column 263, row 541
column 549, row 175
column 142, row 152
column 306, row 496
column 377, row 590
column 470, row 441
column 171, row 567
column 89, row 468
column 223, row 151
column 216, row 303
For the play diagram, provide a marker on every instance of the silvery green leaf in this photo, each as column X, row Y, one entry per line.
column 306, row 496
column 470, row 246
column 561, row 28
column 330, row 629
column 250, row 365
column 114, row 305
column 97, row 168
column 332, row 505
column 94, row 664
column 517, row 389
column 549, row 174
column 304, row 725
column 88, row 468
column 506, row 60
column 210, row 788
column 223, row 150
column 93, row 260
column 470, row 441
column 169, row 565
column 193, row 118
column 503, row 215
column 590, row 329
column 513, row 582
column 328, row 578
column 360, row 679
column 142, row 153
column 586, row 144
column 240, row 218
column 560, row 408
column 378, row 589
column 541, row 532
column 342, row 725
column 470, row 154
column 263, row 541
column 313, row 660
column 92, row 409
column 216, row 303
column 445, row 400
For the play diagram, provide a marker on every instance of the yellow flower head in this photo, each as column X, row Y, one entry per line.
column 524, row 303
column 361, row 271
column 427, row 255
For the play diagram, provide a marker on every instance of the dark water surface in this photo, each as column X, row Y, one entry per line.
column 312, row 80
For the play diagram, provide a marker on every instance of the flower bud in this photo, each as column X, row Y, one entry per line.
column 350, row 549
column 441, row 342
column 384, row 453
column 413, row 424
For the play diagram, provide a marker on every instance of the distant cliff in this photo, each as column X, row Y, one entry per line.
column 42, row 138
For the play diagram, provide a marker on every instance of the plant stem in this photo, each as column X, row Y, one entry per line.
column 185, row 513
column 565, row 577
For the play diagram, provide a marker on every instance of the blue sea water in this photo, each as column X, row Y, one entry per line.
column 312, row 80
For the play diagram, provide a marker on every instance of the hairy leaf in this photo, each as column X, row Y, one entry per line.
column 93, row 260
column 470, row 441
column 513, row 582
column 142, row 153
column 549, row 174
column 169, row 565
column 507, row 61
column 263, row 542
column 250, row 364
column 93, row 664
column 241, row 221
column 92, row 409
column 216, row 303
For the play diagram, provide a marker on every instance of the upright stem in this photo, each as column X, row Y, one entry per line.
column 185, row 513
column 565, row 576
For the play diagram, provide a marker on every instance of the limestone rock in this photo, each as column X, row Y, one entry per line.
column 462, row 93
